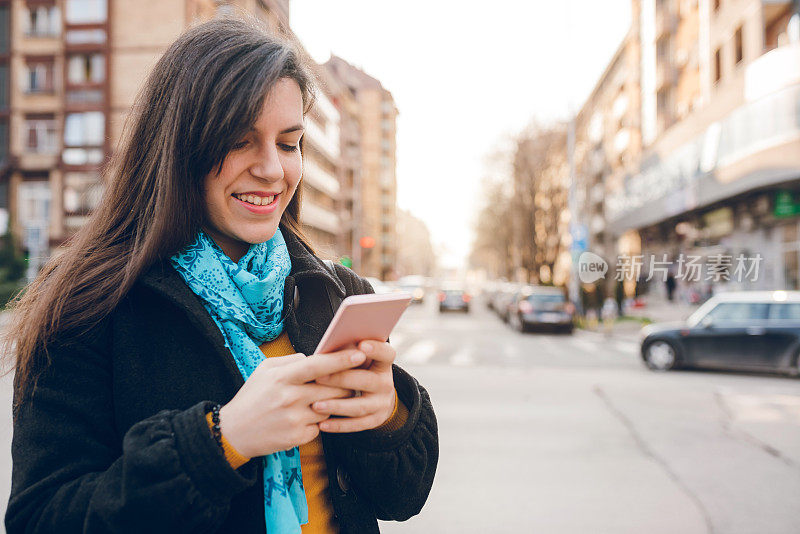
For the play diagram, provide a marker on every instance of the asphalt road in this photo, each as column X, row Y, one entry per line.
column 572, row 434
column 568, row 434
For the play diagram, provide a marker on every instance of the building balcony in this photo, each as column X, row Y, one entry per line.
column 320, row 179
column 39, row 101
column 31, row 161
column 755, row 146
column 773, row 71
column 322, row 218
column 325, row 142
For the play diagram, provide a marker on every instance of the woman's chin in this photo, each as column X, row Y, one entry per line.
column 260, row 236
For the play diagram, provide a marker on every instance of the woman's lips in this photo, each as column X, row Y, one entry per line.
column 269, row 208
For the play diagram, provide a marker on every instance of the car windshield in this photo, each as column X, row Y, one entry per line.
column 738, row 312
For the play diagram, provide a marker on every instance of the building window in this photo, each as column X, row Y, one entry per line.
column 3, row 86
column 38, row 77
column 40, row 135
column 4, row 29
column 84, row 134
column 86, row 68
column 3, row 140
column 82, row 192
column 718, row 65
column 86, row 11
column 739, row 45
column 84, row 129
column 41, row 21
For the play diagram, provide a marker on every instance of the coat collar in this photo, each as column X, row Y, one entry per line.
column 164, row 280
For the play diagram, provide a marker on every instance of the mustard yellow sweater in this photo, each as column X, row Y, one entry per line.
column 312, row 460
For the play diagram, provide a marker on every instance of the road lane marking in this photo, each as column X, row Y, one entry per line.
column 419, row 352
column 463, row 356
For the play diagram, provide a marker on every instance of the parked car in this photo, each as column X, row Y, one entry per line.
column 453, row 297
column 540, row 307
column 415, row 285
column 756, row 330
column 502, row 298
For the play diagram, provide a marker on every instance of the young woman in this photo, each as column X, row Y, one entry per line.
column 161, row 383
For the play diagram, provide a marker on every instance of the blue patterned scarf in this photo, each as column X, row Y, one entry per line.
column 245, row 299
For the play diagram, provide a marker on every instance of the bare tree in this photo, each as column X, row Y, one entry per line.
column 540, row 198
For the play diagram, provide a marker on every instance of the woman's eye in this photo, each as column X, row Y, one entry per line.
column 239, row 145
column 288, row 148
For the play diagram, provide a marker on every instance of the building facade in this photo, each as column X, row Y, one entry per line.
column 69, row 73
column 717, row 173
column 372, row 191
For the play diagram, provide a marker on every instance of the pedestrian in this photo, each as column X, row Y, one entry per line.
column 670, row 283
column 162, row 383
column 609, row 315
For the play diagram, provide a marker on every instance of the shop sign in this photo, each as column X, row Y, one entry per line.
column 785, row 205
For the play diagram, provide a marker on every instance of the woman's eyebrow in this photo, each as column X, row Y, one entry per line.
column 294, row 128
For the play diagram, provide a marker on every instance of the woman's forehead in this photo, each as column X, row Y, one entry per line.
column 282, row 108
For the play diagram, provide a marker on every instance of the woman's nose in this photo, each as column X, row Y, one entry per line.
column 268, row 165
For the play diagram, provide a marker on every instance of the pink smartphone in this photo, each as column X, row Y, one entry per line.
column 361, row 317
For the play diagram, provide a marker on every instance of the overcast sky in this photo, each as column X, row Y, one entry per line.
column 466, row 76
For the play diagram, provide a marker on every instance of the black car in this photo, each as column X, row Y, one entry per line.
column 755, row 330
column 544, row 308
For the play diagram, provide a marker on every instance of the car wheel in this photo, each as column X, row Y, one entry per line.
column 661, row 355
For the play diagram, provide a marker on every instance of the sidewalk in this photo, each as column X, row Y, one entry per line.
column 656, row 310
column 660, row 310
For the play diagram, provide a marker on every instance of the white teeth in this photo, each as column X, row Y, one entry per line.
column 256, row 200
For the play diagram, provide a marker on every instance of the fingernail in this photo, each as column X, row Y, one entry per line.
column 366, row 347
column 358, row 357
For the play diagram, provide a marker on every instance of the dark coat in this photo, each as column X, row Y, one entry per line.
column 116, row 440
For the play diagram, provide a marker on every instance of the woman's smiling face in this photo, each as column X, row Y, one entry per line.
column 245, row 201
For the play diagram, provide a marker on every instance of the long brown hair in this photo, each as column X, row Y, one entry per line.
column 201, row 97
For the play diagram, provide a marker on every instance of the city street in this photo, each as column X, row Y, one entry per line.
column 571, row 434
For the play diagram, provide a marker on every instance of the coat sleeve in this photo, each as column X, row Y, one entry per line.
column 72, row 472
column 394, row 471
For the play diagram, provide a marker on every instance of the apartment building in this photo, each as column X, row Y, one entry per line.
column 69, row 73
column 719, row 169
column 370, row 145
column 608, row 143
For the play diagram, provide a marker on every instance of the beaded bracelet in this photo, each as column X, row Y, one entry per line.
column 215, row 427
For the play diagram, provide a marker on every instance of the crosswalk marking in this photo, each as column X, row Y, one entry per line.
column 463, row 356
column 584, row 344
column 419, row 352
column 510, row 351
column 627, row 346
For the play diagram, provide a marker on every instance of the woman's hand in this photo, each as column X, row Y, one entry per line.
column 375, row 382
column 272, row 410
